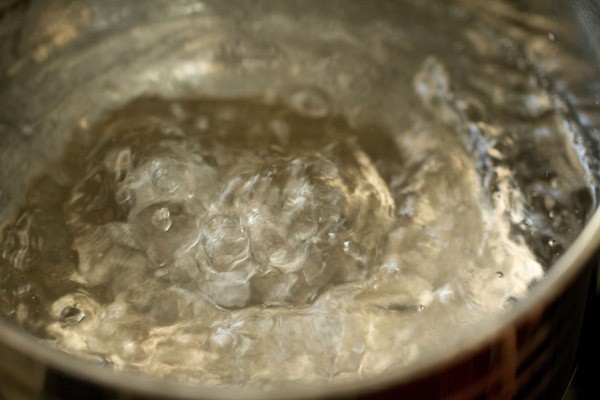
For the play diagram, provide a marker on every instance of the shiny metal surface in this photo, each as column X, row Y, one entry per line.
column 527, row 352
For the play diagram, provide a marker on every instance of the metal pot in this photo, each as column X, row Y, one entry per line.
column 54, row 54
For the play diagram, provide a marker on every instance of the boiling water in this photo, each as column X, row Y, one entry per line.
column 273, row 239
column 236, row 242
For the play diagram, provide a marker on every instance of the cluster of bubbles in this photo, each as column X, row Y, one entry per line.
column 236, row 242
column 239, row 230
column 252, row 242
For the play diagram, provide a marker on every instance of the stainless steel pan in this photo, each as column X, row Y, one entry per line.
column 48, row 48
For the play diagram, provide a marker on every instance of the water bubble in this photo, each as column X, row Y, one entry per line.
column 310, row 102
column 164, row 237
column 228, row 295
column 74, row 309
column 163, row 307
column 275, row 288
column 162, row 219
column 552, row 242
column 304, row 226
column 165, row 180
column 289, row 258
column 225, row 242
column 71, row 315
